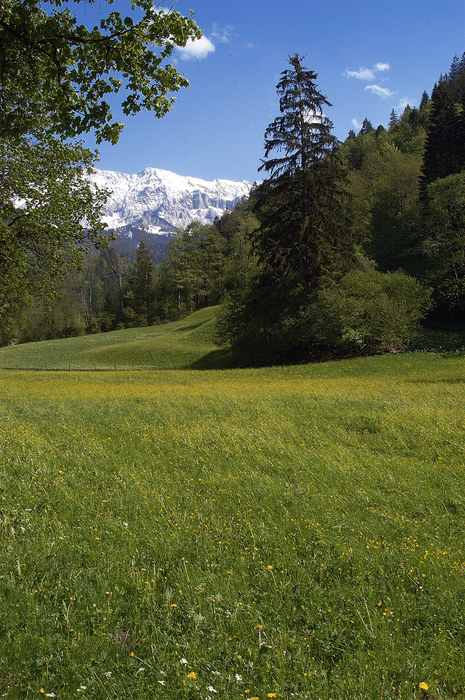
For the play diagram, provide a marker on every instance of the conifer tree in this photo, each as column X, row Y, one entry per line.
column 454, row 69
column 141, row 289
column 301, row 132
column 393, row 119
column 367, row 126
column 300, row 207
column 441, row 148
column 302, row 239
column 424, row 100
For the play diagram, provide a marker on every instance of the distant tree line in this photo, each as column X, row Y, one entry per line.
column 201, row 265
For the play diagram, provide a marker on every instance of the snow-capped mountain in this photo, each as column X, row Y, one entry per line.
column 159, row 201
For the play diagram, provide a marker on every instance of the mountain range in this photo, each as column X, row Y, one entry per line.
column 157, row 202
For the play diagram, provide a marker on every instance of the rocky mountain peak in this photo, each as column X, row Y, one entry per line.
column 158, row 201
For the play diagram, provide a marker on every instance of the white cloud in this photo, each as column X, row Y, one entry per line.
column 360, row 74
column 403, row 102
column 367, row 73
column 380, row 91
column 222, row 36
column 356, row 124
column 196, row 48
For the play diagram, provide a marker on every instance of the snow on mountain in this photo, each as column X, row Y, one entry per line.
column 159, row 201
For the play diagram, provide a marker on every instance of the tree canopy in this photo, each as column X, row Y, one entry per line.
column 57, row 73
column 55, row 79
column 49, row 216
column 301, row 206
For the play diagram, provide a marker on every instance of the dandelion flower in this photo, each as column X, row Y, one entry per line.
column 271, row 695
column 192, row 675
column 424, row 686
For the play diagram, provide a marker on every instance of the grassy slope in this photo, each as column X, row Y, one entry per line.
column 187, row 343
column 289, row 532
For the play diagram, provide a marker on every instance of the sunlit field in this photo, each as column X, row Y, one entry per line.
column 185, row 344
column 279, row 533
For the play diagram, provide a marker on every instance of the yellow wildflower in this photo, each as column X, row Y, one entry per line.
column 424, row 686
column 192, row 675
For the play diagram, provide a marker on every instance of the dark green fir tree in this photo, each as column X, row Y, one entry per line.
column 442, row 138
column 302, row 239
column 300, row 207
column 367, row 126
column 140, row 293
column 393, row 118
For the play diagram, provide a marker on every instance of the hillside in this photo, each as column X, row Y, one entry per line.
column 184, row 344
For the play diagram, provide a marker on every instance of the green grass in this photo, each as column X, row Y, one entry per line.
column 187, row 343
column 295, row 532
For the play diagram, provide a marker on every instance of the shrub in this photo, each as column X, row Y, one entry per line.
column 367, row 312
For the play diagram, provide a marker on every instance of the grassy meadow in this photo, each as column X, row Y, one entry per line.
column 185, row 344
column 294, row 532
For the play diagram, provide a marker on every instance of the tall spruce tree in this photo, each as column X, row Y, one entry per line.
column 393, row 118
column 454, row 69
column 442, row 139
column 303, row 238
column 140, row 293
column 424, row 100
column 367, row 126
column 300, row 207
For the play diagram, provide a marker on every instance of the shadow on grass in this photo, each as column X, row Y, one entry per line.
column 192, row 327
column 442, row 342
column 217, row 359
column 453, row 380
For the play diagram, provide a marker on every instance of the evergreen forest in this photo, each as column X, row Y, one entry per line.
column 343, row 249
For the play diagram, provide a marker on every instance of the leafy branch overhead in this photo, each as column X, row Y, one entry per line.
column 56, row 78
column 55, row 68
column 50, row 216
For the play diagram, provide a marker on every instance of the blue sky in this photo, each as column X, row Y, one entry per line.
column 369, row 56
